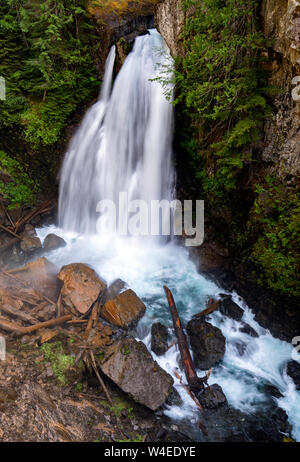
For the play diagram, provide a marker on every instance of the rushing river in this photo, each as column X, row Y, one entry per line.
column 124, row 144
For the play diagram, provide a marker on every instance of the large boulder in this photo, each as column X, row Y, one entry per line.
column 229, row 308
column 159, row 338
column 53, row 242
column 81, row 287
column 124, row 310
column 212, row 397
column 207, row 343
column 293, row 370
column 129, row 364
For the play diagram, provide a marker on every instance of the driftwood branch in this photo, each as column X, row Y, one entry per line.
column 14, row 312
column 210, row 309
column 41, row 325
column 195, row 383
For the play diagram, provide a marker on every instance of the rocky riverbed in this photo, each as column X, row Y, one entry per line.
column 50, row 379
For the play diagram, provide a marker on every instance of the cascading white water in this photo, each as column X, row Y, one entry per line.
column 124, row 142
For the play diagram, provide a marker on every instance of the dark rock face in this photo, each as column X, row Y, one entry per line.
column 229, row 308
column 293, row 370
column 129, row 365
column 246, row 329
column 226, row 424
column 159, row 338
column 272, row 390
column 212, row 397
column 53, row 242
column 207, row 343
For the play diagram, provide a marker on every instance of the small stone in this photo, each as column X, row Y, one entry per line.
column 159, row 339
column 247, row 329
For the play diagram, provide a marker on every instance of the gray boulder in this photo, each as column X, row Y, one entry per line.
column 129, row 365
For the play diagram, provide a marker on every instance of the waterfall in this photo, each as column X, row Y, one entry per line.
column 124, row 144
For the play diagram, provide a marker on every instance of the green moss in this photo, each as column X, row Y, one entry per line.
column 60, row 362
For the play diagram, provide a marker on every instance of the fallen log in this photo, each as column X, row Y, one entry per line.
column 41, row 325
column 196, row 384
column 9, row 326
column 14, row 312
column 210, row 309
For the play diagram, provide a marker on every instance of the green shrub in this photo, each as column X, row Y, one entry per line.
column 17, row 187
column 221, row 88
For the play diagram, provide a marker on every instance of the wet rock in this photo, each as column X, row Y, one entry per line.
column 81, row 287
column 124, row 310
column 174, row 398
column 293, row 370
column 159, row 339
column 114, row 289
column 53, row 242
column 129, row 364
column 207, row 342
column 212, row 397
column 30, row 243
column 229, row 308
column 247, row 329
column 272, row 390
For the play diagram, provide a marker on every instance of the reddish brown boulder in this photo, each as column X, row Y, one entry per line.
column 124, row 310
column 81, row 287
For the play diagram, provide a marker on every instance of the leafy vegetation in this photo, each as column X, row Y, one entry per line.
column 222, row 89
column 60, row 362
column 275, row 220
column 15, row 184
column 46, row 59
